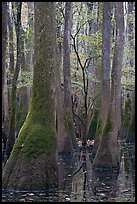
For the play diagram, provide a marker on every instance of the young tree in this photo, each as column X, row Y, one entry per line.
column 33, row 162
column 108, row 153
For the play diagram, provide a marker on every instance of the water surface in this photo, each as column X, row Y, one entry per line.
column 79, row 182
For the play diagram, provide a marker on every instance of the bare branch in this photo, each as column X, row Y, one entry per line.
column 74, row 45
column 80, row 28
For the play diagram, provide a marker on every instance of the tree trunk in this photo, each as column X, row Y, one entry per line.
column 68, row 120
column 105, row 73
column 4, row 52
column 12, row 129
column 130, row 26
column 64, row 142
column 33, row 161
column 5, row 103
column 11, row 43
column 24, row 93
column 108, row 151
column 131, row 127
column 30, row 42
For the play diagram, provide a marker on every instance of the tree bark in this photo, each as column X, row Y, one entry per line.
column 64, row 142
column 33, row 162
column 11, row 43
column 105, row 72
column 108, row 150
column 131, row 128
column 5, row 102
column 12, row 129
column 68, row 120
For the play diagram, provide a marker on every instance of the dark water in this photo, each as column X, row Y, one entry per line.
column 79, row 182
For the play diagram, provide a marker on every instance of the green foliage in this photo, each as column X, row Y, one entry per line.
column 25, row 78
column 128, row 82
column 130, row 70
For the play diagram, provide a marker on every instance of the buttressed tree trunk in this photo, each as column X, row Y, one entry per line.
column 69, row 124
column 33, row 161
column 105, row 72
column 108, row 151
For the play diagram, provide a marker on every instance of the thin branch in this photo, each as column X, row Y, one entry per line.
column 62, row 11
column 13, row 14
column 87, row 60
column 91, row 104
column 74, row 45
column 80, row 28
column 75, row 113
column 78, row 118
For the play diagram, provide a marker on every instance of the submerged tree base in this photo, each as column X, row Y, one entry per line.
column 33, row 162
column 30, row 174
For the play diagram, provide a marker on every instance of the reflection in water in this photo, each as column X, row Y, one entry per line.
column 79, row 182
column 105, row 184
column 126, row 177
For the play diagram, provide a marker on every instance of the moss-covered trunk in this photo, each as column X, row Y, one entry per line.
column 108, row 153
column 33, row 161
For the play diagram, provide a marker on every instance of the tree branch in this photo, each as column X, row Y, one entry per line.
column 76, row 114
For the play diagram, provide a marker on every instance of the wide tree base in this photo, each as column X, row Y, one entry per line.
column 31, row 174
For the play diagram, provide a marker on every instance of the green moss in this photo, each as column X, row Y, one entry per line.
column 68, row 123
column 37, row 134
column 108, row 126
column 39, row 140
column 95, row 119
column 98, row 129
column 127, row 113
column 93, row 124
column 132, row 126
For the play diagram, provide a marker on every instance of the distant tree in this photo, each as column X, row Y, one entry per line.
column 131, row 127
column 27, row 51
column 33, row 162
column 104, row 72
column 68, row 120
column 11, row 40
column 5, row 101
column 5, row 105
column 12, row 128
column 108, row 152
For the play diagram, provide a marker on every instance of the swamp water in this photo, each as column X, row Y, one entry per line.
column 80, row 183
